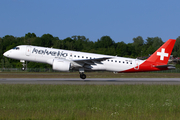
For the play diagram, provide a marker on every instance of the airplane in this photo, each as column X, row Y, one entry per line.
column 66, row 60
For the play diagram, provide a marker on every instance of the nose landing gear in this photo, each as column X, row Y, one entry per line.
column 24, row 65
column 23, row 68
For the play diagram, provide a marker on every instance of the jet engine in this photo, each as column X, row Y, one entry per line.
column 61, row 65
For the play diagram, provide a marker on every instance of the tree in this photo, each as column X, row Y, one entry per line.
column 45, row 40
column 78, row 43
column 157, row 42
column 121, row 49
column 148, row 48
column 7, row 64
column 68, row 43
column 30, row 35
column 138, row 45
column 104, row 42
column 9, row 42
column 176, row 50
column 131, row 50
column 81, row 43
column 29, row 38
column 1, row 48
column 149, row 41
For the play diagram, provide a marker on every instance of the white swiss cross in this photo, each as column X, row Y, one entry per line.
column 162, row 54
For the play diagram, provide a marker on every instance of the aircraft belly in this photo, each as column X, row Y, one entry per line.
column 117, row 67
column 95, row 67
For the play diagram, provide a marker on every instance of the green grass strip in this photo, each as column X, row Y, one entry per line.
column 97, row 102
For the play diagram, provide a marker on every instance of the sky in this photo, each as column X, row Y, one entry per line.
column 122, row 20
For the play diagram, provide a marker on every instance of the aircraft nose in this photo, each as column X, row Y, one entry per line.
column 6, row 54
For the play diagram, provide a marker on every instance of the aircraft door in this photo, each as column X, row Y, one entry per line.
column 136, row 65
column 28, row 50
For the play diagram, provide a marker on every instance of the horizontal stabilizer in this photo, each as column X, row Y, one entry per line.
column 166, row 66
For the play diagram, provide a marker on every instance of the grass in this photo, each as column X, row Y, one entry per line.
column 87, row 102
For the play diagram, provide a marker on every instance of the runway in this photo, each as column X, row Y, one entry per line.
column 92, row 81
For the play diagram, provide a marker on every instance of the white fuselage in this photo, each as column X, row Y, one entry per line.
column 47, row 55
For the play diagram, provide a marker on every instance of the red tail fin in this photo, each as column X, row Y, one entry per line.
column 163, row 53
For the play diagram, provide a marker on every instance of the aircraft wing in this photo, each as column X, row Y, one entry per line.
column 93, row 61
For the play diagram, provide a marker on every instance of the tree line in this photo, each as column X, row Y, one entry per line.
column 105, row 45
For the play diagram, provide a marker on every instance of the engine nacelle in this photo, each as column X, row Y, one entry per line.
column 61, row 65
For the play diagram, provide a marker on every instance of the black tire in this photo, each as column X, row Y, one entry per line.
column 82, row 76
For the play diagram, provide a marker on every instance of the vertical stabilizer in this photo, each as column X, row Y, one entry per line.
column 163, row 53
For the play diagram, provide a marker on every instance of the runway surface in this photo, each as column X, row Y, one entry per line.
column 91, row 81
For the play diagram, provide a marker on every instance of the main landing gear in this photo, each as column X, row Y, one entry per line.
column 82, row 76
column 81, row 72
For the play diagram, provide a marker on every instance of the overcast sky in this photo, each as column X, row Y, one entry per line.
column 122, row 20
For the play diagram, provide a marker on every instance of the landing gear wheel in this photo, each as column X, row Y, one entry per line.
column 24, row 65
column 23, row 68
column 82, row 76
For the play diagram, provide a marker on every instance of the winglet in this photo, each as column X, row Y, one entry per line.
column 163, row 53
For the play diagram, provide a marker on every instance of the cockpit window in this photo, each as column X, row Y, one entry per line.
column 16, row 48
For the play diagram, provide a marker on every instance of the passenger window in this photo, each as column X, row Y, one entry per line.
column 74, row 55
column 82, row 56
column 86, row 57
column 115, row 60
column 119, row 61
column 111, row 60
